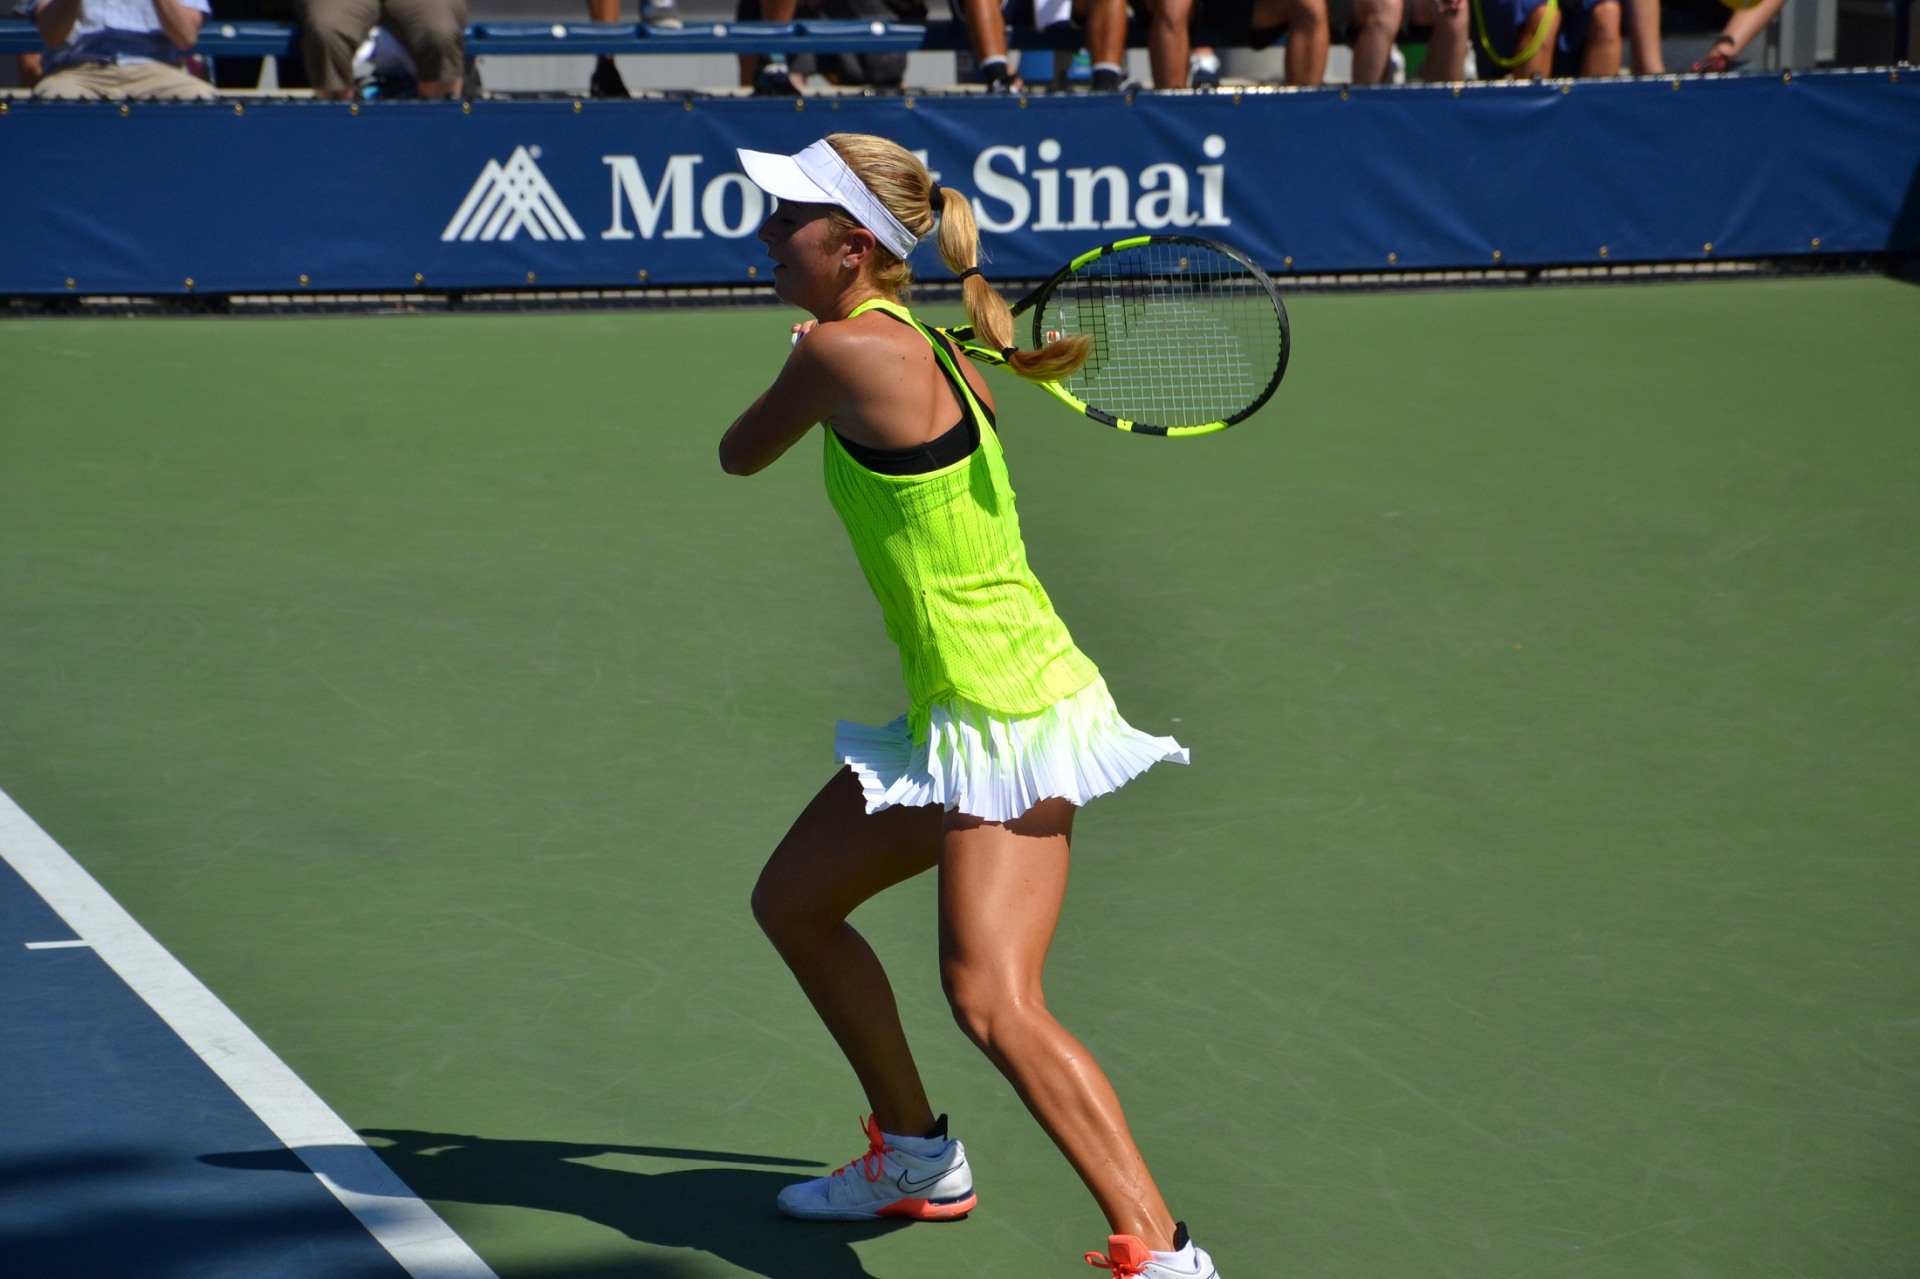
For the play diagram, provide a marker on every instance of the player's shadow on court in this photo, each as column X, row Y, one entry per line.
column 726, row 1211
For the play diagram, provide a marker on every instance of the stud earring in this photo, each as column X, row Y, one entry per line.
column 846, row 264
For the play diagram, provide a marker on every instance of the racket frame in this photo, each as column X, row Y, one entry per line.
column 1036, row 300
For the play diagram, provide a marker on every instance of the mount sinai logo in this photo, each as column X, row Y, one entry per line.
column 509, row 198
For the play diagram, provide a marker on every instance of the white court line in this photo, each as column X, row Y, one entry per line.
column 57, row 945
column 404, row 1225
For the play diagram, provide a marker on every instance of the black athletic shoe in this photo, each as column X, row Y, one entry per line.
column 775, row 81
column 606, row 82
column 1105, row 81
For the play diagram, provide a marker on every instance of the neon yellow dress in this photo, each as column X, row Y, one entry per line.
column 1005, row 710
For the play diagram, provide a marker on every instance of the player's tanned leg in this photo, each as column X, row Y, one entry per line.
column 835, row 857
column 1001, row 888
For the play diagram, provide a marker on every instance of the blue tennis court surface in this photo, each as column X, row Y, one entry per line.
column 121, row 1152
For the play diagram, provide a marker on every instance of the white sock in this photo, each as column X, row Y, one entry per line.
column 1114, row 67
column 1202, row 62
column 923, row 1147
column 1182, row 1260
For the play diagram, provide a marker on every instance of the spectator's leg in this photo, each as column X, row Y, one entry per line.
column 606, row 81
column 1106, row 23
column 160, row 82
column 1744, row 25
column 987, row 33
column 1307, row 35
column 1377, row 22
column 1447, row 46
column 86, row 82
column 1643, row 32
column 434, row 32
column 1544, row 23
column 330, row 31
column 1600, row 56
column 29, row 68
column 1168, row 24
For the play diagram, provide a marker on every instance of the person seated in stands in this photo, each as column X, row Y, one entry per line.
column 1104, row 23
column 118, row 48
column 606, row 81
column 1523, row 38
column 775, row 75
column 433, row 32
column 1181, row 61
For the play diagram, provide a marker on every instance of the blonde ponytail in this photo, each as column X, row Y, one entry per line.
column 898, row 180
column 992, row 318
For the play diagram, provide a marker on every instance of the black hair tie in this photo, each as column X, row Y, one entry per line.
column 937, row 198
column 1008, row 352
column 972, row 270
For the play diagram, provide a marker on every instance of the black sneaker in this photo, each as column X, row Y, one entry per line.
column 606, row 82
column 1105, row 81
column 775, row 81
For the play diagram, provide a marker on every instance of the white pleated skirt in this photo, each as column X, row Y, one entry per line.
column 995, row 766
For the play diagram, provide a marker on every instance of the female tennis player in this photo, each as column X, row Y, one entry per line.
column 1010, row 726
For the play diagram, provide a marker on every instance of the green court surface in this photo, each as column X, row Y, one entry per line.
column 1543, row 899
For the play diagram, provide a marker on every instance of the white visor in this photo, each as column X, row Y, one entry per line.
column 818, row 175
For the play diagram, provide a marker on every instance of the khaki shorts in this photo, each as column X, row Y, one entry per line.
column 132, row 80
column 431, row 30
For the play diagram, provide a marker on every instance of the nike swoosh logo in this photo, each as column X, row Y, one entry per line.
column 907, row 1183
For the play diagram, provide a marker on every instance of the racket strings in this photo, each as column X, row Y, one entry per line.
column 1183, row 335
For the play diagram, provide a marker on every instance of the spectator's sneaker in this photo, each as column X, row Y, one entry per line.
column 929, row 1183
column 1105, row 80
column 660, row 13
column 775, row 81
column 1203, row 71
column 1128, row 1258
column 606, row 82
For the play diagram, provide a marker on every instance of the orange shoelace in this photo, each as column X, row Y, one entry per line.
column 873, row 1161
column 1122, row 1268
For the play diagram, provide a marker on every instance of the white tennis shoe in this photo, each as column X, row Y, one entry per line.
column 887, row 1182
column 1128, row 1258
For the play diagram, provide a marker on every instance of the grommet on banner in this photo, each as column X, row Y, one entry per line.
column 1456, row 90
column 1676, row 82
column 1023, row 104
column 353, row 108
column 239, row 108
column 1707, row 247
column 1288, row 263
column 753, row 271
column 1393, row 259
column 1343, row 94
column 1816, row 241
column 529, row 277
column 1786, row 77
column 69, row 281
column 1567, row 87
column 687, row 103
column 799, row 104
column 576, row 106
column 466, row 108
column 643, row 275
column 125, row 110
column 189, row 283
column 909, row 104
column 1603, row 250
column 419, row 278
column 1497, row 255
column 303, row 281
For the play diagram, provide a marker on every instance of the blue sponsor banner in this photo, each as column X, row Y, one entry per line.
column 279, row 196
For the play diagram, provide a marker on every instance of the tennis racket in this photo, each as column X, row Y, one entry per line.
column 1189, row 335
